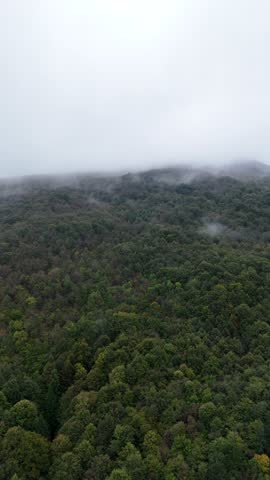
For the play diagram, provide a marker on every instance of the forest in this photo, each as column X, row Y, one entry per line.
column 135, row 327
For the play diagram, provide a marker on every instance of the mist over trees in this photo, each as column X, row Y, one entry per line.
column 135, row 327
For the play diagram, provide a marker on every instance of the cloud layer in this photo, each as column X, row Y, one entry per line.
column 119, row 84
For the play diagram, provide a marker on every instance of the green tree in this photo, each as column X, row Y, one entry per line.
column 119, row 474
column 25, row 453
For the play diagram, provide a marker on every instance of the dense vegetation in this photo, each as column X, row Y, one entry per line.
column 135, row 329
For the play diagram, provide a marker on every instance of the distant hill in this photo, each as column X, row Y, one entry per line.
column 246, row 170
column 241, row 170
column 174, row 175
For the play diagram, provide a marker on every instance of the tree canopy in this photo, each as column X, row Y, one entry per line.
column 135, row 330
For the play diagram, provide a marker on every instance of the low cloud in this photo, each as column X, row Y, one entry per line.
column 110, row 85
column 212, row 229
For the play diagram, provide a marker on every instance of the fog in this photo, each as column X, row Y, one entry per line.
column 108, row 85
column 213, row 229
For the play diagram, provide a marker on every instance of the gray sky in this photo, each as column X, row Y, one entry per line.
column 112, row 84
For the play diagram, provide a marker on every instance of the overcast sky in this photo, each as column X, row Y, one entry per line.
column 122, row 84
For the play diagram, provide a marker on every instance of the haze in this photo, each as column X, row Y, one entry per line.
column 92, row 85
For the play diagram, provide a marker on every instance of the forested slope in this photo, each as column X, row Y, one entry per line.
column 135, row 328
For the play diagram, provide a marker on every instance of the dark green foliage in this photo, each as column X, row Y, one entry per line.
column 135, row 330
column 24, row 453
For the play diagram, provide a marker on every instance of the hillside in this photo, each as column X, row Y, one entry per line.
column 135, row 326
